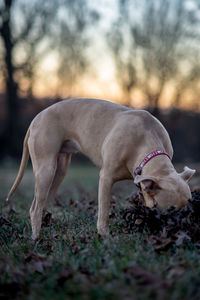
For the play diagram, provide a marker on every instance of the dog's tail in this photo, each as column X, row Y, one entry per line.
column 24, row 160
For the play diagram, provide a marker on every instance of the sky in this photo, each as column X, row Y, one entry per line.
column 100, row 81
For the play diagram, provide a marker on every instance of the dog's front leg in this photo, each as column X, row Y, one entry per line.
column 104, row 197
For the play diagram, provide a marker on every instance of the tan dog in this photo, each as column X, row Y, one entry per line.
column 116, row 139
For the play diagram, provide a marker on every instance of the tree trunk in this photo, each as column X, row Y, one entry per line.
column 11, row 140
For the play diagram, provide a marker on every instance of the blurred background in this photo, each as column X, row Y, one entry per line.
column 139, row 53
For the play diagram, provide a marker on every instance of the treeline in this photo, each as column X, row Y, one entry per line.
column 183, row 128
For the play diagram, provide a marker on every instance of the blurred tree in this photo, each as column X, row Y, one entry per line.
column 72, row 41
column 30, row 30
column 8, row 72
column 154, row 43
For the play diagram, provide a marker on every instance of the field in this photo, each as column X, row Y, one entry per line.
column 70, row 261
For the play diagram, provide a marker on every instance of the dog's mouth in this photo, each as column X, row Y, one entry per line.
column 147, row 200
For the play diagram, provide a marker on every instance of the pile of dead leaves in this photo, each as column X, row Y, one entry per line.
column 165, row 228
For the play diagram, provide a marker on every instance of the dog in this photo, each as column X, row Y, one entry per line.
column 124, row 143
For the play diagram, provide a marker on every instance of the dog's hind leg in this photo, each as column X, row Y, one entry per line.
column 63, row 162
column 43, row 180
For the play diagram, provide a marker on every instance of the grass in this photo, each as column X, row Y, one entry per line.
column 71, row 262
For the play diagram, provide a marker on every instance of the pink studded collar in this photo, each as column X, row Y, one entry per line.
column 147, row 158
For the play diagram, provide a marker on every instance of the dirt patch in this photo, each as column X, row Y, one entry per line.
column 165, row 228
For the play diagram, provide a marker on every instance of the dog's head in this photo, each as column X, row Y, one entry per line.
column 172, row 190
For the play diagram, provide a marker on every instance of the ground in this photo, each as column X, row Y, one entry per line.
column 70, row 261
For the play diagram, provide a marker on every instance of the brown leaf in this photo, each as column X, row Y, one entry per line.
column 182, row 237
column 4, row 221
column 46, row 219
column 37, row 262
column 161, row 244
column 64, row 276
column 175, row 272
column 145, row 277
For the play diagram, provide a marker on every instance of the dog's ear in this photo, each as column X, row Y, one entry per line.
column 187, row 174
column 148, row 183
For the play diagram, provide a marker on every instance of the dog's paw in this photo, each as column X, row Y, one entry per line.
column 35, row 237
column 102, row 233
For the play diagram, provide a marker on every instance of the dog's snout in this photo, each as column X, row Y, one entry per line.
column 172, row 204
column 181, row 204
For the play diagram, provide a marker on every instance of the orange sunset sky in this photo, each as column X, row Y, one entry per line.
column 100, row 82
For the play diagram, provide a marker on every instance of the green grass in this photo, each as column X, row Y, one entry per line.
column 71, row 262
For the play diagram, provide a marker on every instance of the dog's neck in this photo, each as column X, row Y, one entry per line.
column 148, row 157
column 159, row 166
